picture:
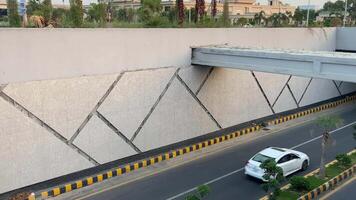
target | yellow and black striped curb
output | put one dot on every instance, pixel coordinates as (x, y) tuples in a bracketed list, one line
[(312, 173), (329, 185), (174, 153)]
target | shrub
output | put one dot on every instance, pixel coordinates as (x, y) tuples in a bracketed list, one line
[(299, 183), (13, 15), (343, 161), (201, 192)]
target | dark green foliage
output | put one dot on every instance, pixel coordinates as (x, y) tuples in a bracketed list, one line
[(273, 176), (242, 21), (225, 15), (301, 15), (46, 8), (125, 15), (201, 192), (260, 18), (343, 161), (121, 14), (33, 6), (150, 14), (300, 184), (327, 123), (13, 15), (41, 8), (278, 19), (97, 13), (58, 14), (76, 13)]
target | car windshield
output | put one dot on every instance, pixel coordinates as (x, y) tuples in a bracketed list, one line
[(260, 158)]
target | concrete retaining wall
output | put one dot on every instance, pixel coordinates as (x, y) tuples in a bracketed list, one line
[(141, 93), (346, 39)]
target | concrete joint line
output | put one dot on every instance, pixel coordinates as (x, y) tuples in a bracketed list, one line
[(295, 100), (119, 133), (337, 88), (2, 87), (154, 105), (341, 82), (147, 69), (174, 153), (305, 90), (45, 126), (198, 101), (204, 81), (90, 115), (280, 93), (263, 92)]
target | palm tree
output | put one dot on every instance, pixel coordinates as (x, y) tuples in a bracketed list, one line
[(213, 8), (180, 12), (326, 123), (260, 17)]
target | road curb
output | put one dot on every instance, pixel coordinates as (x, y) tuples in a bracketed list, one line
[(329, 185), (55, 191), (312, 173)]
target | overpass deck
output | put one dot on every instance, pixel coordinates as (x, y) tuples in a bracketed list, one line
[(319, 64)]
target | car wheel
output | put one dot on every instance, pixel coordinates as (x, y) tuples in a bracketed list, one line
[(305, 165)]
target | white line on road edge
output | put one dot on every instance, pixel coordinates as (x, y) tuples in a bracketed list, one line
[(241, 169)]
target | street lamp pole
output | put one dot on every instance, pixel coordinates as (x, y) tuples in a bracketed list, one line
[(345, 13), (308, 13)]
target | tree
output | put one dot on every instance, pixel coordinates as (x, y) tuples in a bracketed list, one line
[(213, 8), (180, 12), (273, 176), (301, 15), (199, 10), (33, 6), (326, 123), (13, 15), (97, 12), (335, 22), (76, 13), (225, 15), (121, 14), (47, 9), (201, 192), (151, 14), (242, 21), (260, 18), (343, 161)]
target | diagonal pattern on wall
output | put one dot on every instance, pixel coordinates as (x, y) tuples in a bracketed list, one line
[(46, 126), (195, 76), (319, 90), (104, 118), (102, 143), (29, 151), (132, 99), (177, 117), (154, 105), (230, 95), (272, 84), (60, 103)]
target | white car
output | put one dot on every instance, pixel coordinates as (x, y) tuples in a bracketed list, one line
[(289, 160)]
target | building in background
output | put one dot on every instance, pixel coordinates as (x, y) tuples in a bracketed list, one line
[(3, 8), (311, 7), (237, 8)]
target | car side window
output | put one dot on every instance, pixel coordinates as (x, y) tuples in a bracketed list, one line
[(284, 159), (293, 156)]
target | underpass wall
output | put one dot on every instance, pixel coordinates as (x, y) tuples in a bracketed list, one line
[(345, 39), (54, 120)]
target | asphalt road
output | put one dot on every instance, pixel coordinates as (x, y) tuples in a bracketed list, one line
[(346, 192), (223, 170)]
